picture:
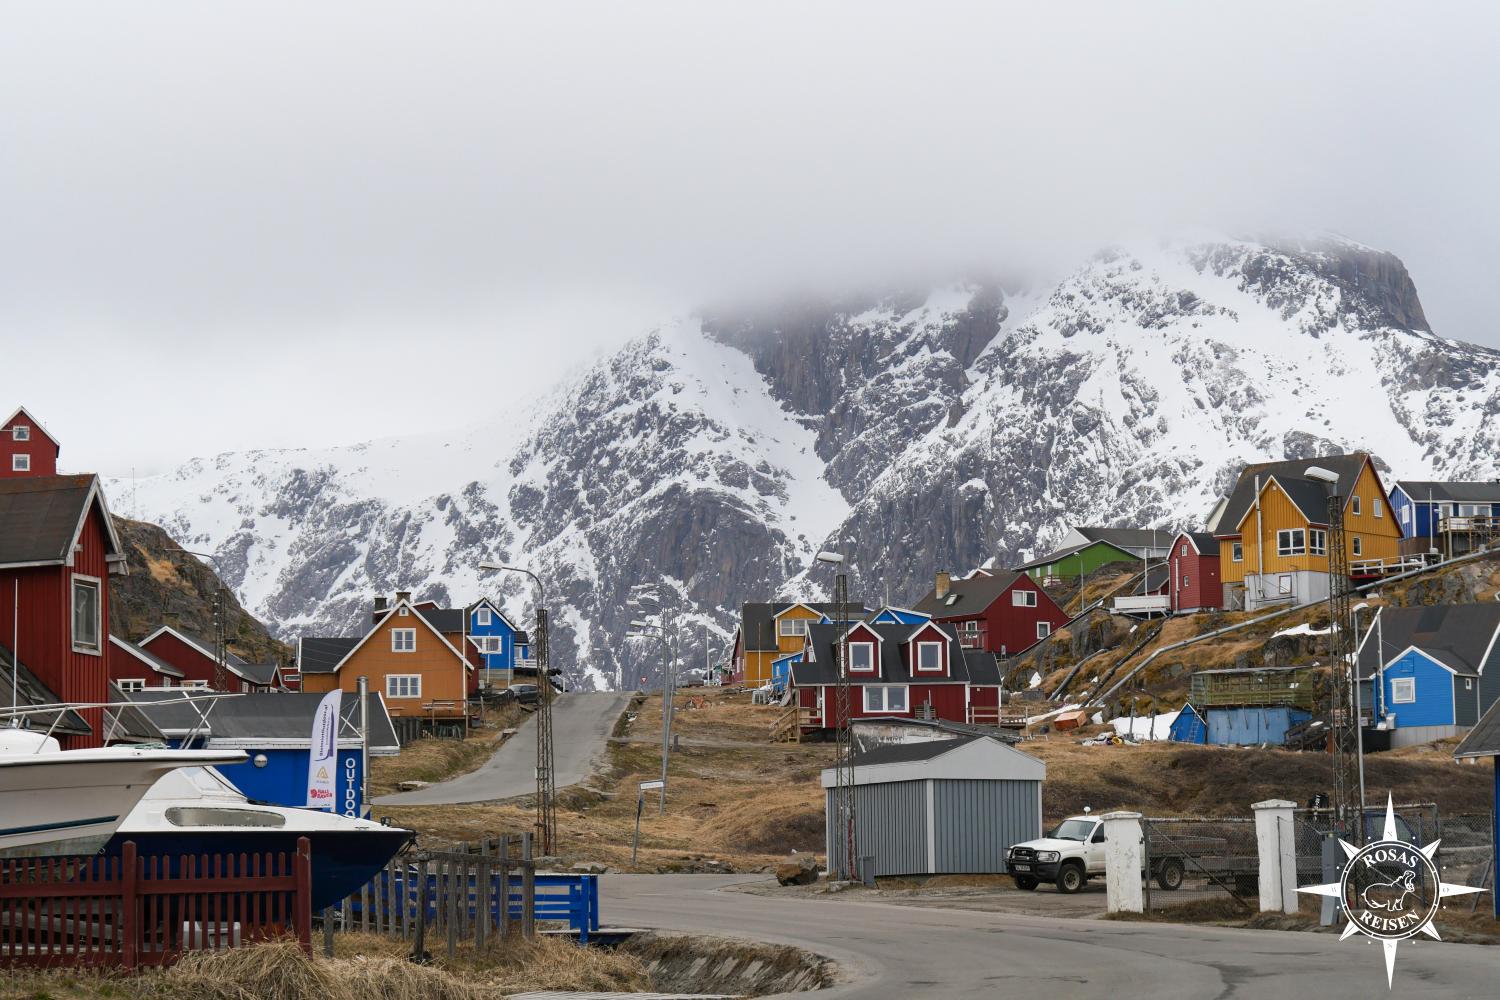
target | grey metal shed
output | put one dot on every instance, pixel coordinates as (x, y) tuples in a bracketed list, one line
[(939, 806)]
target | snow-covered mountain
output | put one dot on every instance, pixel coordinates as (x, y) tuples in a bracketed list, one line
[(911, 431)]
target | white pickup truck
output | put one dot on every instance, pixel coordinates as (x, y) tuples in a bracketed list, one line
[(1072, 854)]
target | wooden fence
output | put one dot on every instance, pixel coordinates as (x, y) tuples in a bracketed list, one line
[(129, 911), (473, 891)]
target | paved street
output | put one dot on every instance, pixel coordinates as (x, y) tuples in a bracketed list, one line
[(892, 951), (581, 724)]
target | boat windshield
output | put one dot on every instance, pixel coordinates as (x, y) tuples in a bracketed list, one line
[(222, 816), (195, 783), (1073, 829)]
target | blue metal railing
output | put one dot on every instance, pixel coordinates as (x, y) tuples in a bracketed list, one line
[(570, 899)]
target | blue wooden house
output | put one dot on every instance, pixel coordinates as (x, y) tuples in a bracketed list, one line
[(1430, 672), (503, 649), (1188, 727), (1484, 741), (1447, 518), (897, 616)]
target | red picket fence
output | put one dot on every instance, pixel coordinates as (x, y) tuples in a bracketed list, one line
[(131, 911)]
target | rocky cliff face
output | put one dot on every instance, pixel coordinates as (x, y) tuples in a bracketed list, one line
[(913, 431)]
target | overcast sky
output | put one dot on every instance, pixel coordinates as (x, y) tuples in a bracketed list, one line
[(226, 225)]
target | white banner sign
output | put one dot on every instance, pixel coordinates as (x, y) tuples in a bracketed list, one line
[(321, 765)]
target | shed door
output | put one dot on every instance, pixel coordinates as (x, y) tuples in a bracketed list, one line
[(976, 821)]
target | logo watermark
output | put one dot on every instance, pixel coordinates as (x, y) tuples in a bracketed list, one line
[(1390, 890)]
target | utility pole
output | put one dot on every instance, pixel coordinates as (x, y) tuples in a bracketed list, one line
[(220, 628), (1348, 806), (846, 865), (646, 599)]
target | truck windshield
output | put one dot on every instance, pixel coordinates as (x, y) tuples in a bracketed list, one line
[(1073, 829)]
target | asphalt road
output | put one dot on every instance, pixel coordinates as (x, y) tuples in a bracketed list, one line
[(581, 724), (892, 951)]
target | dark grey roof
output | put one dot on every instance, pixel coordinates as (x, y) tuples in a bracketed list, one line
[(1423, 490), (146, 656), (127, 723), (1454, 634), (893, 668), (39, 516), (31, 691), (983, 667), (1206, 544), (1310, 496), (1484, 739), (266, 716), (970, 596), (445, 620), (522, 638), (1156, 578), (941, 725), (320, 654), (902, 753), (757, 620), (1136, 540)]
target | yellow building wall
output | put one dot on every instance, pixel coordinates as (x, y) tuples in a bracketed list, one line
[(443, 674), (758, 664)]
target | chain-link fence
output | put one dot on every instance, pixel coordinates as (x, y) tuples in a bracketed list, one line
[(1467, 855), (1196, 858)]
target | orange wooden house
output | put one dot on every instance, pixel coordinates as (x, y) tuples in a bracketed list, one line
[(406, 658)]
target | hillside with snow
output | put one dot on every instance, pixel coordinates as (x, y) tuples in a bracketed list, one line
[(912, 431)]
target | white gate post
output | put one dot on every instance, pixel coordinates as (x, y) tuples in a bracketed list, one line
[(1122, 862), (1276, 843)]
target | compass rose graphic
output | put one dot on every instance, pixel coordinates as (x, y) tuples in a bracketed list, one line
[(1390, 890)]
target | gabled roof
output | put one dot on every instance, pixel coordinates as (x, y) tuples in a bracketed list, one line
[(259, 717), (1060, 554), (823, 641), (758, 620), (1484, 739), (322, 654), (151, 660), (1423, 490), (983, 757), (1135, 540), (485, 602), (29, 690), (449, 621), (970, 596), (1456, 635), (41, 518), (983, 667), (897, 753), (33, 423), (1309, 495), (255, 673), (1202, 542), (325, 647)]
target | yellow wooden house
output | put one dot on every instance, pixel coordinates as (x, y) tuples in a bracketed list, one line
[(1273, 530), (769, 631)]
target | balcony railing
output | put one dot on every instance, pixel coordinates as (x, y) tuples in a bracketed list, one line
[(1385, 567), (1479, 524), (1143, 604)]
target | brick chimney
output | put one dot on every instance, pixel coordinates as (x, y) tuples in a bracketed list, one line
[(403, 595), (943, 584), (380, 608)]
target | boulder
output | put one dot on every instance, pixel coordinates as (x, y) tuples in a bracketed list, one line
[(799, 869), (412, 786)]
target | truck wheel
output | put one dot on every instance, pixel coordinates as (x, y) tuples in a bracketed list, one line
[(1169, 874), (1071, 878), (1026, 882)]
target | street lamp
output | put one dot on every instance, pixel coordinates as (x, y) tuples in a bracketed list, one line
[(660, 631), (546, 782), (221, 657), (846, 866)]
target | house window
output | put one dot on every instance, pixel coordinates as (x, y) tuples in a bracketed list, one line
[(1023, 598), (1043, 629), (794, 626), (488, 643), (969, 628), (861, 656), (132, 684), (482, 616), (1354, 505), (1359, 546), (1472, 509), (1468, 683), (85, 614), (403, 612), (20, 463), (1291, 542), (403, 640), (403, 685), (195, 685), (885, 698), (929, 656), (1318, 541), (1377, 507), (1237, 552), (20, 432), (1403, 690), (1284, 584), (1184, 580)]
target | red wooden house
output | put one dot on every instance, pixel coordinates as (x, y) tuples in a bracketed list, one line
[(58, 548), (895, 670), (26, 449), (134, 669), (1194, 565), (998, 612), (194, 657)]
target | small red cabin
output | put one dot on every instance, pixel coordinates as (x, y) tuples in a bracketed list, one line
[(194, 657), (998, 612), (26, 449), (1194, 565)]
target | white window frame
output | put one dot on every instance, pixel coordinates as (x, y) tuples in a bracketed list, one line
[(402, 612), (867, 646), (20, 432), (1291, 547), (194, 685), (1358, 545), (1403, 690), (1377, 507), (20, 463), (97, 586), (482, 616), (969, 627), (397, 634), (1468, 683), (1023, 598), (1354, 504), (930, 670), (1043, 629), (1317, 541), (793, 627), (884, 691), (1184, 580), (410, 683), (131, 684), (1284, 585), (1183, 551), (1236, 551)]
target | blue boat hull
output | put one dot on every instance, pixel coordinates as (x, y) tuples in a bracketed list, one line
[(342, 860)]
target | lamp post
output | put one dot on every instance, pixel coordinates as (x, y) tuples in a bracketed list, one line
[(546, 781), (846, 866), (221, 652), (645, 599)]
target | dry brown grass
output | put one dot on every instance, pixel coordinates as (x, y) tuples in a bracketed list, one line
[(431, 759)]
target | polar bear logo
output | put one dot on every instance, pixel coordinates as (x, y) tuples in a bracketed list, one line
[(1390, 896)]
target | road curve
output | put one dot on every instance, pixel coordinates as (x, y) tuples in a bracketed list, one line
[(891, 951), (581, 724)]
